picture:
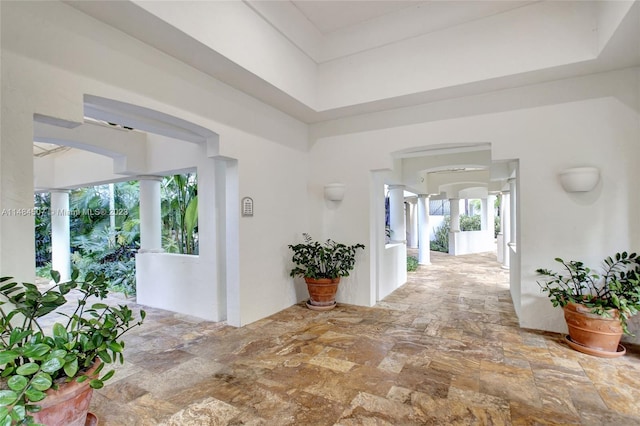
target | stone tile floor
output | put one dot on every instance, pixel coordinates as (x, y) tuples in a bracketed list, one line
[(444, 349)]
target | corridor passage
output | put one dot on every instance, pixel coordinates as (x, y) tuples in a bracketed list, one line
[(444, 349)]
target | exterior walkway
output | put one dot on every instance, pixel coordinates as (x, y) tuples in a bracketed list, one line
[(445, 349)]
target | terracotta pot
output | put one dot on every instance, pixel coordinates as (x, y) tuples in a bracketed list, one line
[(69, 405), (322, 292), (591, 330)]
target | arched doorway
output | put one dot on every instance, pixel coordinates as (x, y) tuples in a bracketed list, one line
[(157, 144)]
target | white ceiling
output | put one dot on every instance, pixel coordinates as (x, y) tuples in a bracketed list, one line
[(328, 16), (339, 38)]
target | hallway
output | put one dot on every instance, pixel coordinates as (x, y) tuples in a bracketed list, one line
[(444, 349)]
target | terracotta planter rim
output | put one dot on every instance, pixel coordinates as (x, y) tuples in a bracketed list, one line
[(615, 314), (322, 280)]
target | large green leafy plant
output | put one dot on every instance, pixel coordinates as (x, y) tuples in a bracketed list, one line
[(617, 287), (316, 260), (35, 358)]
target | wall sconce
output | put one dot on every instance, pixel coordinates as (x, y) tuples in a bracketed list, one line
[(579, 179), (334, 191)]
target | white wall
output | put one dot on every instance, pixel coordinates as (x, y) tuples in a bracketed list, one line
[(591, 120), (52, 55)]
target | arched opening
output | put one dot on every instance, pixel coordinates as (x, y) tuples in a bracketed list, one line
[(454, 173), (143, 144)]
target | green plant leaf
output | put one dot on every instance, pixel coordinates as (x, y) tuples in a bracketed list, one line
[(96, 384), (104, 355), (8, 370), (56, 276), (59, 331), (41, 381), (71, 368), (7, 397), (4, 412), (36, 351), (27, 369), (191, 215), (108, 375), (8, 286), (7, 421), (18, 413), (18, 335), (57, 353), (35, 395), (8, 356), (17, 383), (52, 365), (115, 347), (99, 306)]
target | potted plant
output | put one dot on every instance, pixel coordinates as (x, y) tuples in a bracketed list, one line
[(322, 265), (42, 366), (597, 307)]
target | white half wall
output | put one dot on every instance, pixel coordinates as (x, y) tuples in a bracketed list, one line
[(178, 283), (467, 242), (393, 269)]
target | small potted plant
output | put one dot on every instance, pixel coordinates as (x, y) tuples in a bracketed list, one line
[(597, 307), (322, 265), (48, 374)]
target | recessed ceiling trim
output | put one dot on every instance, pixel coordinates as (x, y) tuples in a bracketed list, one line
[(442, 150)]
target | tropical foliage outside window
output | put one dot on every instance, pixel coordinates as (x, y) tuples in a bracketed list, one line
[(180, 213), (105, 227)]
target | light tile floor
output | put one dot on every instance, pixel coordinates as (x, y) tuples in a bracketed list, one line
[(444, 349)]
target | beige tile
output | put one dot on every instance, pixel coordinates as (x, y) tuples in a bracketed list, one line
[(443, 349)]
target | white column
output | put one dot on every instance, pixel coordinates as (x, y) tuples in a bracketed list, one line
[(60, 234), (454, 209), (454, 204), (491, 214), (396, 213), (424, 240), (512, 216), (483, 214), (412, 221), (112, 208), (505, 208), (150, 217), (500, 236)]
